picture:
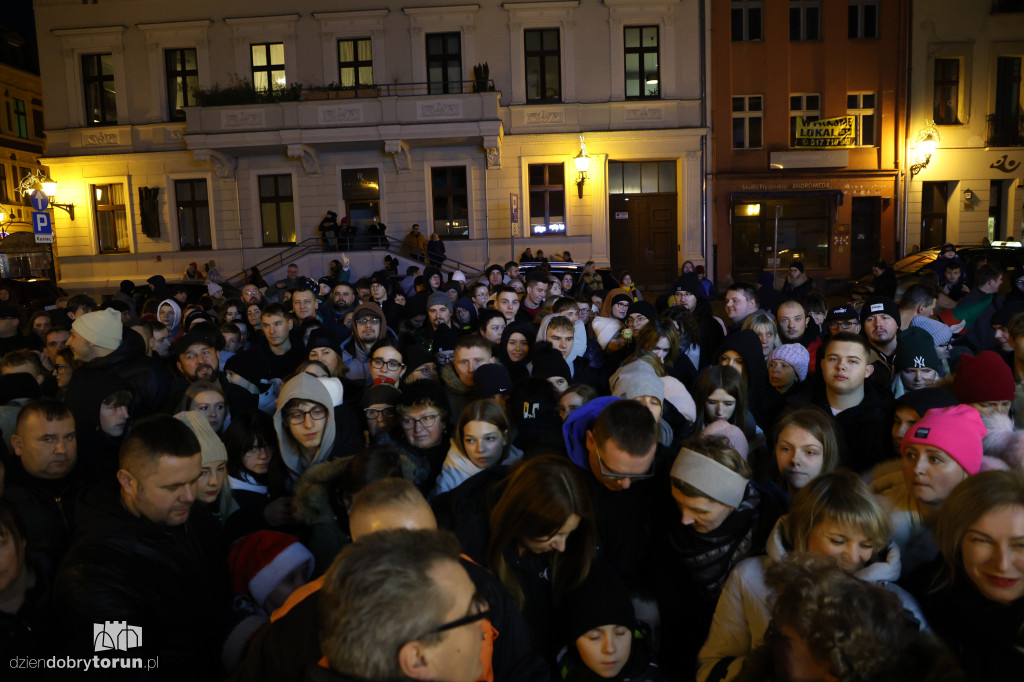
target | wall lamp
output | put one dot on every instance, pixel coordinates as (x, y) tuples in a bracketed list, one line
[(927, 142), (37, 179), (582, 166)]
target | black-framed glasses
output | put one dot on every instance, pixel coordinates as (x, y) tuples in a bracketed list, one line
[(368, 320), (393, 365), (373, 412), (615, 475), (845, 325), (298, 416), (481, 610), (426, 421)]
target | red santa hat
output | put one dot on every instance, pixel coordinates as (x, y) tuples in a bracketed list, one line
[(259, 562)]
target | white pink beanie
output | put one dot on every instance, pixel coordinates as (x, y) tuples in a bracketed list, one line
[(795, 356)]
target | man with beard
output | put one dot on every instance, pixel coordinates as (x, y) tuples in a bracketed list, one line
[(368, 326), (197, 356), (795, 326)]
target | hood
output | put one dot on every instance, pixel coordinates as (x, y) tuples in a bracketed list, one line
[(574, 431), (376, 310), (469, 307), (176, 321), (606, 305), (524, 328), (84, 402), (313, 491), (579, 337), (304, 387), (748, 345)]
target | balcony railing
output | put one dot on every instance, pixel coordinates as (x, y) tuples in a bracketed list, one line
[(244, 93), (1005, 131)]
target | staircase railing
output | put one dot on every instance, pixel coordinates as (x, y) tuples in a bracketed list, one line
[(293, 252)]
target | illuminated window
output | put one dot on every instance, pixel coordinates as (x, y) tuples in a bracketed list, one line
[(100, 93), (355, 63), (111, 218), (643, 75), (547, 199), (268, 66)]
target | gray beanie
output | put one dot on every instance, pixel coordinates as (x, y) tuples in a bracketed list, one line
[(637, 379), (440, 298)]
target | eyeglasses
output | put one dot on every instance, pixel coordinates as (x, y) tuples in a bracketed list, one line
[(259, 452), (61, 368), (373, 412), (636, 320), (625, 303), (616, 476), (426, 421), (393, 365), (298, 416), (481, 610), (368, 320), (845, 325)]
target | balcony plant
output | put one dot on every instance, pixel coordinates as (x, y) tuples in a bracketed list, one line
[(240, 91)]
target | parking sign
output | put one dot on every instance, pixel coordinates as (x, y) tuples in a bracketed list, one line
[(42, 227)]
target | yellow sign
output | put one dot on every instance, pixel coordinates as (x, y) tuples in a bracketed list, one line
[(828, 132)]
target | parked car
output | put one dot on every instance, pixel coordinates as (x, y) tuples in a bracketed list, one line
[(559, 268), (32, 294), (920, 266)]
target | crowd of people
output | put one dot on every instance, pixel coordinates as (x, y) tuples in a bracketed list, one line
[(516, 475)]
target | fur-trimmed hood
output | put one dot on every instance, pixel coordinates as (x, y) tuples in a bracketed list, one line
[(312, 504)]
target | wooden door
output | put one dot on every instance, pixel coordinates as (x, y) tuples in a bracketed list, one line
[(643, 239)]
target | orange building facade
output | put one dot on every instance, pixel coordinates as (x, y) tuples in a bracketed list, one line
[(808, 127)]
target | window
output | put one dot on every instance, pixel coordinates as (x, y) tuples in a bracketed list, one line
[(804, 20), (547, 198), (193, 214), (643, 79), (543, 65), (861, 105), (444, 63), (947, 91), (1004, 123), (746, 20), (268, 66), (451, 201), (641, 177), (934, 199), (5, 193), (277, 209), (100, 93), (182, 81), (804, 233), (863, 19), (111, 218), (20, 127), (807, 107), (746, 122), (355, 63)]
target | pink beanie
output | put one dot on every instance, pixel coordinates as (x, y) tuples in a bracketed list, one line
[(733, 433), (958, 431), (795, 356)]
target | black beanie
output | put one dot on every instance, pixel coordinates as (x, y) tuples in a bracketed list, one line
[(548, 362), (602, 599)]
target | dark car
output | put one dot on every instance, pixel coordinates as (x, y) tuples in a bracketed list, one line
[(559, 268), (32, 294), (920, 266), (195, 289)]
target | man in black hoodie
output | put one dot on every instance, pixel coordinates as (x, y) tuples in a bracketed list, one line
[(102, 344)]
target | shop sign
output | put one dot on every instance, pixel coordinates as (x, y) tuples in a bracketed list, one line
[(828, 132)]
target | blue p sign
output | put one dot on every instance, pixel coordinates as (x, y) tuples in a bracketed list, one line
[(41, 223)]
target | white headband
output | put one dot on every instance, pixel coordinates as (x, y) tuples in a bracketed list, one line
[(715, 480)]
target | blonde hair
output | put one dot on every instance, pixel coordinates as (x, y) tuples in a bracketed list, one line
[(840, 497)]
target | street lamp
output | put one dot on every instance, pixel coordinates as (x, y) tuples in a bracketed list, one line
[(582, 166), (927, 144), (38, 180)]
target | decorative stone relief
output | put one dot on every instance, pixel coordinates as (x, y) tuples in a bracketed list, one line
[(439, 109), (246, 118), (545, 116), (339, 115), (492, 152), (99, 139), (400, 152), (307, 156), (645, 114), (223, 165)]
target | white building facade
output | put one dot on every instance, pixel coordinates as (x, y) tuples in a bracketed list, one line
[(966, 78), (372, 109)]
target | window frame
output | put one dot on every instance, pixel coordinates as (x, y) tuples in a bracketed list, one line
[(193, 205), (938, 87), (176, 79), (20, 125), (747, 114), (446, 61), (859, 112), (641, 51), (543, 56), (745, 8), (260, 201), (814, 114), (100, 80), (803, 30), (99, 210), (548, 189), (451, 194), (356, 63), (269, 67), (857, 29)]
